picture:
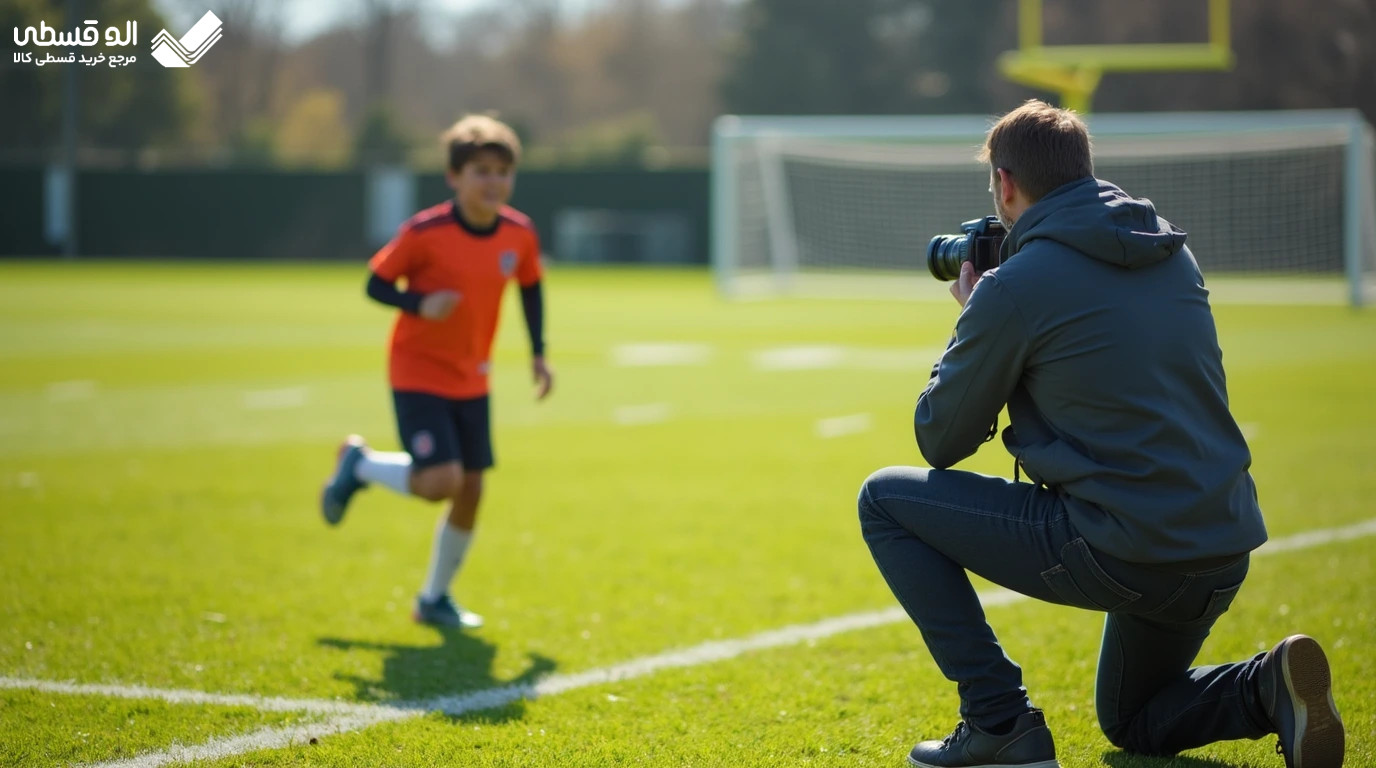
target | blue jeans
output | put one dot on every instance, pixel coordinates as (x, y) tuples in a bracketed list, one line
[(926, 528)]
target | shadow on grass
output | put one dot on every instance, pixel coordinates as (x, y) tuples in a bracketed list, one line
[(453, 677), (1116, 759)]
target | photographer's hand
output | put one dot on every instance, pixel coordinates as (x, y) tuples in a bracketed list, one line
[(965, 284)]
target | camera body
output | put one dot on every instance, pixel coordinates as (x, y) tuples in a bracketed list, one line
[(980, 244)]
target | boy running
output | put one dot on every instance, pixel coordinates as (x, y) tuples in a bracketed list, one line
[(455, 260)]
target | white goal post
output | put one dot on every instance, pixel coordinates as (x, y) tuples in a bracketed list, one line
[(1278, 206)]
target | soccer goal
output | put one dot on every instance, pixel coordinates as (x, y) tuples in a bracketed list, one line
[(1278, 206)]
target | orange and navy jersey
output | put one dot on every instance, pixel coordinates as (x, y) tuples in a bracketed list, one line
[(434, 251)]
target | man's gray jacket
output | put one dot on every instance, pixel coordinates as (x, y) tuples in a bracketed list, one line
[(1096, 333)]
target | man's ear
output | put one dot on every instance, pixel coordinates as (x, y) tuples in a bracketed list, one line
[(1007, 188), (451, 179)]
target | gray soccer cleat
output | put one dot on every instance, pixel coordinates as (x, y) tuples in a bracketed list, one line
[(444, 612), (340, 488)]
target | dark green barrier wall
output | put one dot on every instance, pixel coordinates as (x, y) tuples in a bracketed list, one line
[(21, 212), (228, 214), (266, 214), (542, 194)]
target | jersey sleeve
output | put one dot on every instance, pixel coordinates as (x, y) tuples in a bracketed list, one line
[(398, 258), (528, 269)]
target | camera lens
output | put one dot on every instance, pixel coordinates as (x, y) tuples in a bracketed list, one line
[(945, 254)]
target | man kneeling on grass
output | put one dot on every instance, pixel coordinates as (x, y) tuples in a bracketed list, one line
[(1095, 331)]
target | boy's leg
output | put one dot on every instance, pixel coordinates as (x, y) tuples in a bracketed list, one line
[(454, 533), (472, 422), (388, 469), (463, 507), (925, 528), (429, 469)]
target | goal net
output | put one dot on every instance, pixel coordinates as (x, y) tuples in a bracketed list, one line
[(1278, 206)]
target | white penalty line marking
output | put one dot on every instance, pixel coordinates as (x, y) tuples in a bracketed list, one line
[(345, 717)]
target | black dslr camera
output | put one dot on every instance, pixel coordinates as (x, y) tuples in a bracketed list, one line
[(980, 245)]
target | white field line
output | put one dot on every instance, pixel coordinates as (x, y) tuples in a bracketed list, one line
[(641, 415), (1317, 537), (172, 696), (798, 358), (352, 717), (840, 426), (276, 399), (67, 391), (656, 355), (267, 738), (816, 358)]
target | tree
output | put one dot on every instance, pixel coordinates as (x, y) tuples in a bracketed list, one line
[(953, 50), (621, 140), (538, 85), (125, 109), (381, 138), (380, 20), (314, 132), (1290, 54), (809, 57), (863, 56), (29, 93), (240, 76)]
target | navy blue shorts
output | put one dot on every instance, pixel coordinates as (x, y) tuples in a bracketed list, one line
[(436, 430)]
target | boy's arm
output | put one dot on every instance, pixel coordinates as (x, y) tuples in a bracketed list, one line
[(532, 301), (397, 259), (386, 292), (529, 273), (528, 276), (533, 304)]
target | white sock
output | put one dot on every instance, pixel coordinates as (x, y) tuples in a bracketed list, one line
[(450, 545), (392, 470)]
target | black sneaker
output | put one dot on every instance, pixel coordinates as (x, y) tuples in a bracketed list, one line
[(1028, 745), (1296, 688)]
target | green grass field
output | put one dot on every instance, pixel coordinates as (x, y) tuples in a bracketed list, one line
[(164, 430)]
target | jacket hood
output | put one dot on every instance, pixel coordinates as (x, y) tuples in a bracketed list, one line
[(1100, 221)]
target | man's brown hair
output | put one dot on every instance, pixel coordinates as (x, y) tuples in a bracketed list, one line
[(474, 133), (1042, 147)]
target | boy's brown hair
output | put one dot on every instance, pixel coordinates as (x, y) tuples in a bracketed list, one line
[(474, 133), (1042, 147)]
